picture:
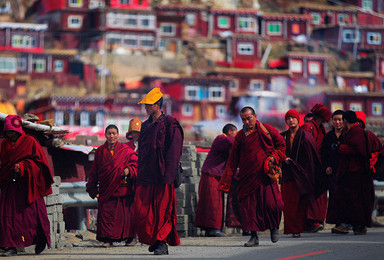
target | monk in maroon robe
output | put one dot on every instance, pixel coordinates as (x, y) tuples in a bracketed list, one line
[(318, 207), (210, 207), (354, 193), (260, 199), (112, 180), (25, 178), (160, 149), (299, 175)]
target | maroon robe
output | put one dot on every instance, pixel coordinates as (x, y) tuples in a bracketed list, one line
[(116, 195), (160, 149), (260, 199), (210, 207), (354, 193), (23, 215), (298, 183)]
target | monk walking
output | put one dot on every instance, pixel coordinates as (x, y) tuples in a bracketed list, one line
[(160, 149), (210, 208), (25, 178), (257, 148), (112, 179)]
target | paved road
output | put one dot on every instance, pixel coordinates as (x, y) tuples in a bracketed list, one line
[(322, 245)]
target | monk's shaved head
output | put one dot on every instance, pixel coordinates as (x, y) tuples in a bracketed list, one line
[(245, 109)]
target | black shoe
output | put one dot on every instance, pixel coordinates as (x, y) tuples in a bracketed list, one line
[(274, 235), (162, 249), (11, 251), (154, 246), (214, 233), (246, 233), (39, 248), (253, 241)]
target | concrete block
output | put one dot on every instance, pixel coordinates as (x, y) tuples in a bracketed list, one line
[(61, 227), (182, 218), (60, 216), (190, 171), (182, 226), (55, 190), (57, 180), (51, 209)]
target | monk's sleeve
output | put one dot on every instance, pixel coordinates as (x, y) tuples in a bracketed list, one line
[(307, 127), (231, 167), (279, 144), (92, 184), (173, 154), (132, 166)]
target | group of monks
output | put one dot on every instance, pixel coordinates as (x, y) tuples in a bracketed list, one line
[(308, 161), (134, 182)]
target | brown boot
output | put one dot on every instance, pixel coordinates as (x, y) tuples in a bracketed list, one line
[(340, 229)]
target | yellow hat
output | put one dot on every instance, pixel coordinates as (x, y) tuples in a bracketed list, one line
[(134, 125), (152, 97)]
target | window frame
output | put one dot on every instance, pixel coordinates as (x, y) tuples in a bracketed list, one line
[(316, 18), (78, 4), (42, 62), (185, 111), (130, 37), (374, 113), (221, 111), (70, 21), (151, 21), (189, 88), (313, 62), (171, 25), (292, 64), (188, 19), (221, 26), (274, 23), (356, 106), (252, 82), (147, 38), (241, 51), (365, 3), (247, 20), (10, 64), (374, 42), (57, 68), (213, 89), (353, 32)]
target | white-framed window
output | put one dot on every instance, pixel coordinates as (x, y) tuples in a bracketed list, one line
[(130, 41), (58, 65), (125, 2), (382, 67), (350, 36), (147, 41), (130, 21), (342, 19), (59, 117), (100, 118), (146, 21), (75, 21), (17, 41), (274, 28), (28, 41), (190, 19), (336, 106), (93, 4), (216, 93), (187, 110), (355, 106), (296, 66), (314, 67), (113, 38), (168, 29), (377, 109), (367, 5), (374, 38), (115, 20), (221, 111), (23, 41), (8, 65), (75, 3), (22, 64), (84, 118), (39, 65), (223, 22), (316, 18), (247, 24), (235, 84), (245, 49), (192, 92), (256, 84)]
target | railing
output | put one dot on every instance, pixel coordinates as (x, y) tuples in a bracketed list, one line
[(74, 195), (379, 195)]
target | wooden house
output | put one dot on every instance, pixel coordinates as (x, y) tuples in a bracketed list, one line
[(367, 5), (379, 73), (170, 32), (359, 82)]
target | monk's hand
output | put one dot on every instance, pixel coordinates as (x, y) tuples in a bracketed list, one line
[(287, 160), (126, 172), (328, 171), (16, 172), (16, 168)]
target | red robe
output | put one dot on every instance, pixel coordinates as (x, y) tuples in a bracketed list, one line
[(160, 149), (260, 199), (23, 215), (210, 207), (116, 195)]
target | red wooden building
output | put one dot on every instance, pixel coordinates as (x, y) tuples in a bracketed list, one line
[(170, 32), (367, 5)]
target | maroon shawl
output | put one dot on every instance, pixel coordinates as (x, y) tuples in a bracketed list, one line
[(105, 176), (249, 153), (34, 166), (318, 132)]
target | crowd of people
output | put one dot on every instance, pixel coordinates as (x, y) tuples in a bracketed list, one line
[(265, 173)]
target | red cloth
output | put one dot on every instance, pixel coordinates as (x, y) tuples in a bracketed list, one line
[(23, 215), (210, 207), (292, 113), (319, 110), (155, 214), (115, 195), (233, 215), (318, 132)]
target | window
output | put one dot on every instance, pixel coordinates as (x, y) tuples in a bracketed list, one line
[(75, 21), (146, 21), (100, 118), (356, 106), (113, 38), (187, 110), (223, 22), (125, 2), (350, 36), (130, 21), (245, 49), (23, 41), (84, 118), (377, 109), (75, 3), (59, 118), (114, 20), (247, 24), (274, 28), (190, 19), (382, 67), (295, 28), (39, 65), (147, 42), (192, 92), (337, 106), (58, 65), (221, 111), (256, 84), (22, 64), (168, 29), (374, 38), (296, 66), (130, 41), (342, 19), (367, 4), (8, 65), (316, 18), (216, 93), (314, 67), (17, 41), (235, 84), (28, 41)]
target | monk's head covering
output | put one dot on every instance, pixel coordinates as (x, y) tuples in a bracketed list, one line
[(134, 125), (292, 113), (152, 97), (319, 110), (361, 115), (13, 123), (350, 116)]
